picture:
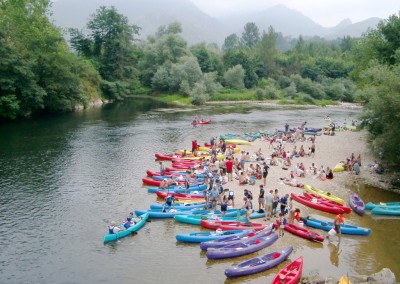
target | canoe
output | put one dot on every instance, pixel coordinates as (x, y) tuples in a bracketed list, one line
[(323, 194), (326, 226), (357, 204), (338, 168), (258, 264), (201, 122), (150, 181), (227, 225), (179, 189), (234, 239), (198, 237), (291, 274), (180, 196), (314, 203), (164, 157), (237, 142), (346, 209), (241, 248), (304, 233), (344, 280), (112, 237), (196, 219), (180, 206), (386, 210), (370, 205)]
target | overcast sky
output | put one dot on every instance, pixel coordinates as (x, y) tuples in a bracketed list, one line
[(325, 12)]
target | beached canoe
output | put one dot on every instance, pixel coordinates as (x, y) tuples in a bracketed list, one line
[(150, 181), (316, 204), (112, 237), (338, 168), (237, 142), (227, 225), (241, 248), (291, 274), (323, 194), (344, 280), (234, 239), (179, 189), (357, 204), (196, 219), (346, 209), (180, 206), (386, 210), (258, 264), (180, 196), (198, 237), (304, 233), (370, 205), (327, 225)]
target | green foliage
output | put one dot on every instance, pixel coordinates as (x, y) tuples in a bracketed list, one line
[(234, 95), (199, 94), (234, 77), (261, 94), (232, 41), (250, 36)]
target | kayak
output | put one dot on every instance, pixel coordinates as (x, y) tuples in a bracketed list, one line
[(241, 248), (338, 168), (179, 189), (326, 226), (290, 274), (314, 203), (165, 157), (200, 122), (234, 239), (227, 225), (237, 142), (323, 194), (386, 210), (371, 205), (346, 209), (150, 181), (357, 204), (304, 233), (258, 264), (112, 237), (196, 219), (344, 280), (180, 206), (198, 237), (180, 196)]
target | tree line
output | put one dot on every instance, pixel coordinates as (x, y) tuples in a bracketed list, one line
[(40, 72)]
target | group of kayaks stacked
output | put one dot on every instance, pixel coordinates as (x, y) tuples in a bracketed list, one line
[(382, 208)]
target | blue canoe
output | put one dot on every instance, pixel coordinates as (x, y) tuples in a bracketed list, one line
[(258, 264), (179, 189), (370, 205), (345, 228), (196, 219), (180, 206), (179, 179), (170, 213), (198, 237), (112, 237), (386, 210)]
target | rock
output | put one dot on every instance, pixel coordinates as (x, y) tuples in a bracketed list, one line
[(385, 276)]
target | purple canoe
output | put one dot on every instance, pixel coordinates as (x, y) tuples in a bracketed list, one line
[(357, 204), (241, 248), (258, 264), (234, 239)]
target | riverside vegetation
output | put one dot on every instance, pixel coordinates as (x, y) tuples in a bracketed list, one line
[(41, 73)]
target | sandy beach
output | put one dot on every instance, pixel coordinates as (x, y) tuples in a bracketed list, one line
[(330, 150)]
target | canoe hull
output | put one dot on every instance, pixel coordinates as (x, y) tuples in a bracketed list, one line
[(112, 237)]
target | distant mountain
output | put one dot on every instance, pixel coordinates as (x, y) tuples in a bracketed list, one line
[(198, 26)]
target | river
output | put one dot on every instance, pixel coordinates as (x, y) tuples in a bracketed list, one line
[(64, 178)]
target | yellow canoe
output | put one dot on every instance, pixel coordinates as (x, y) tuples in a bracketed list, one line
[(237, 142), (323, 194), (338, 168), (202, 148), (344, 280)]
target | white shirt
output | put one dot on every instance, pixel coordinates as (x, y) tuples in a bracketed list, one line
[(269, 198)]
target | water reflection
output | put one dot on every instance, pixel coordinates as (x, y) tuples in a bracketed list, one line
[(334, 253)]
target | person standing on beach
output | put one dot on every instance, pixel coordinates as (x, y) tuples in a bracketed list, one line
[(229, 168), (284, 203), (286, 128), (261, 199), (313, 149), (265, 173), (269, 199), (249, 208), (275, 203)]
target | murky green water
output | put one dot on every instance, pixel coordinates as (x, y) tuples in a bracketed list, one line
[(63, 179)]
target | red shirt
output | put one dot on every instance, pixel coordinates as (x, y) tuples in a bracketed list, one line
[(229, 166)]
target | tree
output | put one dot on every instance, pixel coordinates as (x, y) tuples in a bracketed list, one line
[(234, 77), (230, 42), (250, 36), (267, 52)]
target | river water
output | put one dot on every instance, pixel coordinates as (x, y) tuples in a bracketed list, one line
[(64, 178)]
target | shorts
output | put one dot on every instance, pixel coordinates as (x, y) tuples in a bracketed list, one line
[(312, 150), (337, 229), (265, 175), (274, 204), (282, 226), (261, 200)]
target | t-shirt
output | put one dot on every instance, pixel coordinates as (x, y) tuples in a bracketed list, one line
[(229, 166), (269, 199), (283, 201)]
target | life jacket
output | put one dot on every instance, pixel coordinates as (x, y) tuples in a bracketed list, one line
[(284, 221), (111, 230)]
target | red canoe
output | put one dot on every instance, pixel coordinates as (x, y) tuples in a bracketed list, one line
[(304, 233), (317, 205), (290, 274), (180, 196), (231, 225), (203, 121), (166, 157), (346, 209)]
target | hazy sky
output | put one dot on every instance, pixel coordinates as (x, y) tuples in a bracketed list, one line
[(324, 12)]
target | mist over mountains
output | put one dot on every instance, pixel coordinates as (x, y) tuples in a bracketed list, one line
[(198, 26)]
